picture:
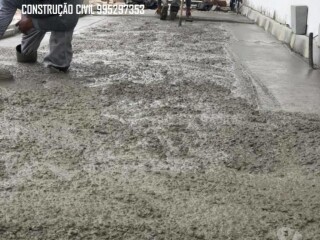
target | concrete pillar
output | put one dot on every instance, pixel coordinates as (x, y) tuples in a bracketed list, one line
[(299, 19)]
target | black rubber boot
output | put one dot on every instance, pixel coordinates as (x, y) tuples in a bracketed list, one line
[(174, 9), (22, 58), (164, 13)]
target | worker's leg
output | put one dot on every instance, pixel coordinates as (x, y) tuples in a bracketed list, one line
[(7, 12), (175, 3), (158, 11), (188, 3), (175, 6), (31, 41), (174, 9), (188, 11), (232, 4), (164, 9), (27, 50), (60, 54)]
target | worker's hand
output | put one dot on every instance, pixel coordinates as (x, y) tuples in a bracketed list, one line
[(25, 24)]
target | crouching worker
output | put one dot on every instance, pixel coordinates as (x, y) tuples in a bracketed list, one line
[(162, 9), (34, 28)]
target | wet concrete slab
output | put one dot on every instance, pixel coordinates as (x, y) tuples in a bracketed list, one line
[(144, 139), (282, 78)]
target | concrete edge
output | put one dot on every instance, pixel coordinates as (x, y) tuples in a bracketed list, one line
[(297, 43)]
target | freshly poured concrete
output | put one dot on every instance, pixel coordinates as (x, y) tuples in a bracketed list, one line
[(154, 134), (282, 78)]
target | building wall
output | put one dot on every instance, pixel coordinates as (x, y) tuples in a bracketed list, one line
[(280, 10)]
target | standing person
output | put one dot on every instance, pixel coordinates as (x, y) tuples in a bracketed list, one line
[(162, 10), (232, 2), (34, 28)]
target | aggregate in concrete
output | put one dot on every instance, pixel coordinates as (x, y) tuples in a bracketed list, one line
[(149, 137)]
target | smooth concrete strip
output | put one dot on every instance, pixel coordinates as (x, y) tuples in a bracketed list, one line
[(276, 71), (298, 43)]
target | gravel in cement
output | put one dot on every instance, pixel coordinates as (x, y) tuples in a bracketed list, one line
[(145, 138), (5, 76)]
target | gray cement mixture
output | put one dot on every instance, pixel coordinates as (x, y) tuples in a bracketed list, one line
[(149, 137)]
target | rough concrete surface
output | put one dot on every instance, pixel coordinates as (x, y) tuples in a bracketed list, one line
[(282, 32), (5, 76), (149, 137)]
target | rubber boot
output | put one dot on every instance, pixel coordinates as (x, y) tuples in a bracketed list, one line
[(174, 9), (164, 12), (22, 58)]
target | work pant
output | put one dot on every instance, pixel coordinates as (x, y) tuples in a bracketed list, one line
[(232, 2), (174, 3), (60, 54)]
